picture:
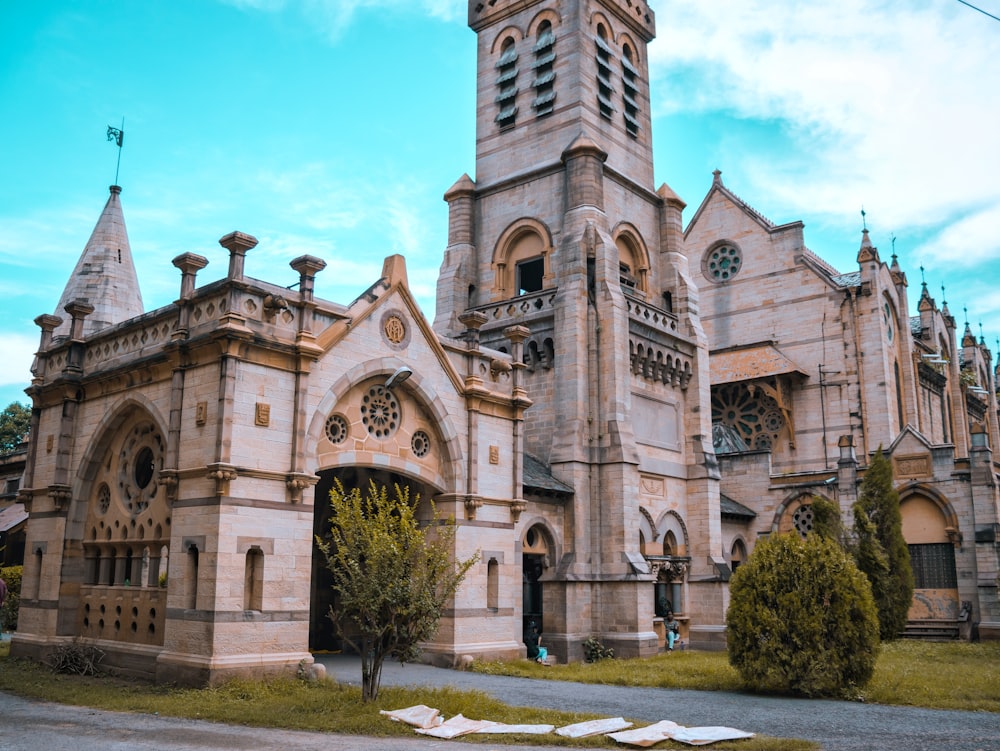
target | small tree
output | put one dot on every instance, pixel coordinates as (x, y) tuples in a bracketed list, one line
[(392, 575), (881, 551), (14, 423), (801, 618)]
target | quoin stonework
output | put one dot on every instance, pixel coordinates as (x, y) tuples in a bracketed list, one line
[(613, 403)]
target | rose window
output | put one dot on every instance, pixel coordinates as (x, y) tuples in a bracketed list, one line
[(752, 413), (140, 460), (420, 444), (336, 429), (380, 412), (723, 263)]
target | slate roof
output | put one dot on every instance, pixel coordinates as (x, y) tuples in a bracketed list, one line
[(732, 509), (538, 476)]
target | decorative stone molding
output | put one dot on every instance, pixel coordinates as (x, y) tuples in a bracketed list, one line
[(472, 504), (517, 507), (675, 567), (296, 482), (169, 480), (223, 474), (60, 495)]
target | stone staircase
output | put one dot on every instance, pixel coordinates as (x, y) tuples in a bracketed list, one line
[(933, 630)]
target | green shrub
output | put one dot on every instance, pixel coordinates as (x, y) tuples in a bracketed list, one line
[(594, 650), (8, 613), (801, 619)]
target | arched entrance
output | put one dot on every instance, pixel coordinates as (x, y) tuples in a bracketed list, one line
[(932, 558), (321, 634), (534, 560)]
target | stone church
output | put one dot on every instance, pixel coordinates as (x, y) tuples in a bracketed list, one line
[(612, 406)]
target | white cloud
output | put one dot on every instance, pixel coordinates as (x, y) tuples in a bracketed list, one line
[(889, 104), (16, 348)]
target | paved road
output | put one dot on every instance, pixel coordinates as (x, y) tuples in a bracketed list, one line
[(839, 726)]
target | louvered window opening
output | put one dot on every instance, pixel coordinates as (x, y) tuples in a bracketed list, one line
[(630, 94), (605, 91), (545, 75), (506, 87)]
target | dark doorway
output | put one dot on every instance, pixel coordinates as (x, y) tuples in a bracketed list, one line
[(322, 599)]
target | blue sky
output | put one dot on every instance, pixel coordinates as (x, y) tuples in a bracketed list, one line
[(334, 127)]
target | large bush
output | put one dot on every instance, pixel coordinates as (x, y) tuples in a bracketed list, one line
[(801, 619), (8, 613)]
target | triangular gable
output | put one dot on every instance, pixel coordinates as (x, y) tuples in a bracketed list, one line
[(909, 441), (718, 188), (392, 285)]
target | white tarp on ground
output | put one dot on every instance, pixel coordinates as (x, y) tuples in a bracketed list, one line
[(419, 716), (428, 721), (499, 727), (706, 735), (594, 727), (647, 736), (455, 727)]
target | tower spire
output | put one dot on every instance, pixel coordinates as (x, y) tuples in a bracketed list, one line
[(104, 275)]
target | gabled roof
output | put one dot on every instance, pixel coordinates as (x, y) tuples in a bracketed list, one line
[(104, 275)]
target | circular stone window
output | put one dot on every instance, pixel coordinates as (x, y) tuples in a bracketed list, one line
[(723, 263), (420, 444), (380, 412), (336, 429), (802, 519)]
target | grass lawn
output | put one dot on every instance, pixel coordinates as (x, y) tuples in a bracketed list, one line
[(324, 706), (937, 675)]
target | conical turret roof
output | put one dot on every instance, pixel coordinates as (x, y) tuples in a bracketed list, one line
[(105, 274)]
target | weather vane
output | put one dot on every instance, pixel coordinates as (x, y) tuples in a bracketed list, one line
[(864, 224), (118, 136)]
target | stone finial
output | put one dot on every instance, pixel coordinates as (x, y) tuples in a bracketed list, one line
[(308, 267), (237, 243), (189, 264), (78, 311)]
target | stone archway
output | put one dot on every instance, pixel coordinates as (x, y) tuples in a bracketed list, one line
[(321, 634)]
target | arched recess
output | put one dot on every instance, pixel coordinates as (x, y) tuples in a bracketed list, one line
[(548, 14), (363, 432), (444, 472), (795, 514), (633, 258), (671, 523), (930, 528), (737, 552), (538, 555), (509, 32), (521, 259), (119, 519)]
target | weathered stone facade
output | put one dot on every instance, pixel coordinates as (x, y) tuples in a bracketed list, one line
[(612, 408), (815, 369)]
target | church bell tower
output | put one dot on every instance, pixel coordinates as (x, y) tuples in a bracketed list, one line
[(562, 231)]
